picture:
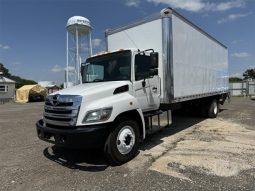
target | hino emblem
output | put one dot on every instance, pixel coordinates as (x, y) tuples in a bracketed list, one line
[(55, 100)]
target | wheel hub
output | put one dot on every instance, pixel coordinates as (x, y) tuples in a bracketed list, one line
[(125, 140), (215, 109)]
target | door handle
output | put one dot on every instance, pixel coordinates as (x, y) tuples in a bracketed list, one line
[(154, 89)]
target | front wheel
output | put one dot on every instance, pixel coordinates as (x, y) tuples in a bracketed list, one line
[(122, 143)]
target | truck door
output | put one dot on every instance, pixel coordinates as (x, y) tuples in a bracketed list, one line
[(146, 87)]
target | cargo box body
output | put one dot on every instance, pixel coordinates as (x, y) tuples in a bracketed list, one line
[(192, 64)]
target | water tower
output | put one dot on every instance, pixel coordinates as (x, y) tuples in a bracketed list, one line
[(78, 48)]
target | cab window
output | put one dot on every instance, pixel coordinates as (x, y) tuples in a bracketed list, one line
[(142, 67)]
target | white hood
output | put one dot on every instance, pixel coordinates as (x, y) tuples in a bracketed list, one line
[(87, 89)]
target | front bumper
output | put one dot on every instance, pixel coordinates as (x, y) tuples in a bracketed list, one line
[(92, 136)]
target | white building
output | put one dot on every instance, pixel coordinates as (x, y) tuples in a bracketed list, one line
[(50, 86), (7, 89)]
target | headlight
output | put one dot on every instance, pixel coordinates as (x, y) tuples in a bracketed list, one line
[(98, 115)]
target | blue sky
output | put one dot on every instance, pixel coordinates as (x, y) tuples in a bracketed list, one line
[(33, 34)]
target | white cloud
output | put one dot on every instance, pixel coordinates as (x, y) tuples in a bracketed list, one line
[(236, 75), (16, 63), (70, 68), (98, 45), (96, 42), (188, 5), (240, 54), (133, 3), (4, 47), (236, 41), (223, 6), (57, 68), (232, 17), (193, 5)]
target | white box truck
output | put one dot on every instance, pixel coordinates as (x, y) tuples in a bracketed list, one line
[(151, 67)]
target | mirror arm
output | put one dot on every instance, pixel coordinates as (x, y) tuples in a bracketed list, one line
[(143, 83)]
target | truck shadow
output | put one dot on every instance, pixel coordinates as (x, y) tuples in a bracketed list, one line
[(84, 160), (94, 160), (180, 122)]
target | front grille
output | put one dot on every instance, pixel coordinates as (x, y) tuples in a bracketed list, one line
[(61, 110), (58, 119), (60, 104), (58, 112)]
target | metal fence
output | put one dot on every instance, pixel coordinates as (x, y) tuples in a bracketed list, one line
[(245, 88)]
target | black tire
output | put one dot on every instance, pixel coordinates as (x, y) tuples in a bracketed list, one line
[(111, 150), (213, 108)]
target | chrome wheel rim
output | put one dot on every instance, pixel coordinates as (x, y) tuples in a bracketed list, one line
[(215, 109), (125, 140)]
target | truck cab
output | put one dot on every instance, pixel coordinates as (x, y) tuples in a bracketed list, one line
[(108, 108), (138, 70)]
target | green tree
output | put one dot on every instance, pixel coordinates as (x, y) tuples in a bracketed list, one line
[(19, 81), (249, 73), (235, 79), (4, 70)]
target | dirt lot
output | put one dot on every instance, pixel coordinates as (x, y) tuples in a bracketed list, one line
[(192, 154)]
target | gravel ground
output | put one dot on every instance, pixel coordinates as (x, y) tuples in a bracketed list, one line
[(192, 154)]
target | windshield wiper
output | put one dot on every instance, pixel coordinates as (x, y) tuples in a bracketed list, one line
[(97, 80)]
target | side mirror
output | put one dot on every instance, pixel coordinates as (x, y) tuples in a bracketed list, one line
[(154, 60), (154, 72)]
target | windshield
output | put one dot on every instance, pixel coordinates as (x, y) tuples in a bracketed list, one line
[(109, 67)]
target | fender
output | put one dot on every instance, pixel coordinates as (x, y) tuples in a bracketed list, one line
[(143, 123), (120, 104)]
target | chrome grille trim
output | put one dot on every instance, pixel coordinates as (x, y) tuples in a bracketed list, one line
[(57, 114), (73, 115), (59, 108), (62, 123)]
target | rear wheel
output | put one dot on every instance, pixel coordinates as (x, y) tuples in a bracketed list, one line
[(213, 108), (122, 143)]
